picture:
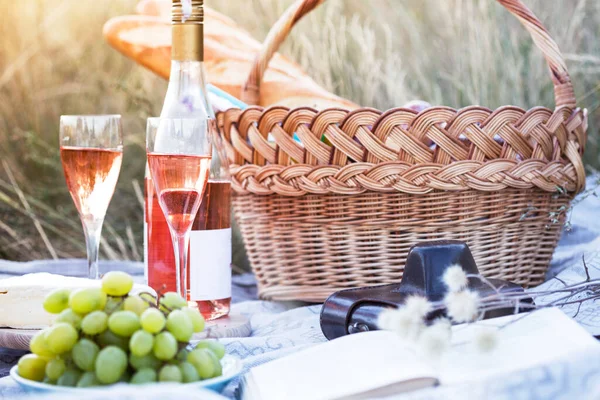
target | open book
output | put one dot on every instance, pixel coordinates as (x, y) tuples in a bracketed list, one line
[(378, 364)]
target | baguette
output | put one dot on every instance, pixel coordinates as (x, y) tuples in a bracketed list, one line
[(229, 52)]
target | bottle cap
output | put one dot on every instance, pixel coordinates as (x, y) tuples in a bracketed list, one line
[(188, 12)]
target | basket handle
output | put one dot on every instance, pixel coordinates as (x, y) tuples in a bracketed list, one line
[(563, 89)]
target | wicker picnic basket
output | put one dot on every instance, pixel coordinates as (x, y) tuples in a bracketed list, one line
[(318, 217)]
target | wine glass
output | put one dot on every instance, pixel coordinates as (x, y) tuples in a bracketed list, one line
[(91, 150), (179, 156)]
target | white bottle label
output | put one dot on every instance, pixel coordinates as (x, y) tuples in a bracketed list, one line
[(210, 264)]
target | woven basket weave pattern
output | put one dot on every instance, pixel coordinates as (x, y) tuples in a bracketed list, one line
[(309, 246), (473, 148), (341, 205)]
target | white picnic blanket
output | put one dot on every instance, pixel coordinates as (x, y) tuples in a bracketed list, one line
[(281, 328)]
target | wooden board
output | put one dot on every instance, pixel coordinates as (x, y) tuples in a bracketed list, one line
[(16, 338), (234, 325)]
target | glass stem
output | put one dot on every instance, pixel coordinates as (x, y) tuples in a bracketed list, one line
[(92, 230), (181, 244)]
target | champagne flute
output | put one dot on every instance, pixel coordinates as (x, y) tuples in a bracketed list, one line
[(91, 150), (179, 155)]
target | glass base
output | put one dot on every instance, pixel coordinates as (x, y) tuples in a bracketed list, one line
[(212, 309)]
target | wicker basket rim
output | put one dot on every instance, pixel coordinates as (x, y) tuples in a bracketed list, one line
[(243, 113), (546, 149)]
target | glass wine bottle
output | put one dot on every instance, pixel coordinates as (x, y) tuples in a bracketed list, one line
[(209, 261)]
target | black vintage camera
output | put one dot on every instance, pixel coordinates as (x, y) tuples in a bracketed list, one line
[(357, 310)]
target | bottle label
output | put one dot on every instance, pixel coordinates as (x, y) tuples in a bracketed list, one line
[(210, 264)]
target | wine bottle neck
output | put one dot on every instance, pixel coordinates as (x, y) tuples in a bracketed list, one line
[(186, 95)]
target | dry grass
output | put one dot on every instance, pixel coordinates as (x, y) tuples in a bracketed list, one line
[(379, 53), (53, 61)]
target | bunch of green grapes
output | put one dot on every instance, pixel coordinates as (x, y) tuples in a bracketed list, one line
[(105, 335)]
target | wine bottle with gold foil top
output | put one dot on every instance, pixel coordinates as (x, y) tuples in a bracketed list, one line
[(209, 265)]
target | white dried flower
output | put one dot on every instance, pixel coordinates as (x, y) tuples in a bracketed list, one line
[(417, 305), (387, 318), (462, 306), (443, 323), (406, 324), (409, 325), (455, 278), (435, 339), (486, 339)]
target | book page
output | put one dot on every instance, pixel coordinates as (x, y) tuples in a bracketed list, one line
[(344, 367), (531, 340)]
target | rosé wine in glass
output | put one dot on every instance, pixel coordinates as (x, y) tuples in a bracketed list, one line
[(91, 150), (179, 160), (91, 176), (179, 182)]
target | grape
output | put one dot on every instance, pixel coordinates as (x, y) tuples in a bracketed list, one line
[(125, 377), (196, 318), (135, 304), (182, 355), (124, 323), (110, 364), (56, 301), (84, 301), (202, 359), (144, 375), (180, 325), (69, 378), (141, 343), (172, 301), (216, 347), (217, 365), (103, 300), (84, 354), (149, 298), (165, 346), (61, 337), (70, 317), (55, 368), (94, 323), (32, 366), (121, 335), (152, 320), (49, 381), (108, 338), (113, 304), (169, 373), (147, 361), (39, 346), (207, 363), (88, 379), (117, 283), (188, 372)]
